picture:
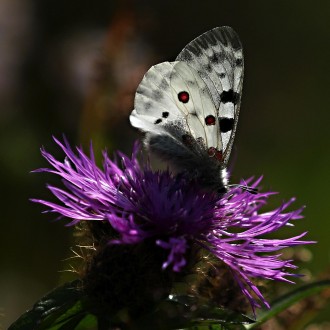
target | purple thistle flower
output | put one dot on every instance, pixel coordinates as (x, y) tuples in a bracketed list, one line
[(141, 204)]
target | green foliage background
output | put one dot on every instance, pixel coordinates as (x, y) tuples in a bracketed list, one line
[(66, 67)]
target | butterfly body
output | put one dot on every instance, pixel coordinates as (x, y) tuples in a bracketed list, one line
[(189, 108)]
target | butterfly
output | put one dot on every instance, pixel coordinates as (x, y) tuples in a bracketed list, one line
[(189, 108)]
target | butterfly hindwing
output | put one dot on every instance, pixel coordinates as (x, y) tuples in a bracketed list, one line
[(154, 104)]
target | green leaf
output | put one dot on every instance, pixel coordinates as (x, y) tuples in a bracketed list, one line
[(288, 300), (189, 312), (90, 321), (206, 312), (68, 308), (60, 317), (53, 310)]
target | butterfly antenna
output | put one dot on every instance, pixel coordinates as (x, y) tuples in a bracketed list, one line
[(251, 190)]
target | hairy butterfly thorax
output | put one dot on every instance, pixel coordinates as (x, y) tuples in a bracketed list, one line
[(189, 108)]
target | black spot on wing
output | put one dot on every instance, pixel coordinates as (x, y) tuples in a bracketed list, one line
[(214, 59), (239, 62), (217, 58), (205, 91), (208, 68), (229, 96), (226, 124), (158, 121), (186, 55), (222, 75), (165, 114)]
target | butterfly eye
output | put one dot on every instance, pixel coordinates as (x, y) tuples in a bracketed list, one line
[(183, 97)]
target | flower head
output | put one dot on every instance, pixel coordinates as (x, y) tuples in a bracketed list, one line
[(140, 204)]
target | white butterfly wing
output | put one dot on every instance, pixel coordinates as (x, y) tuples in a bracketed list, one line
[(189, 108), (153, 100), (217, 56), (198, 105), (159, 110)]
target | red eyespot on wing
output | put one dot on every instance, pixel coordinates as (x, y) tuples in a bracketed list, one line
[(211, 151), (209, 120), (219, 155), (187, 139), (183, 97)]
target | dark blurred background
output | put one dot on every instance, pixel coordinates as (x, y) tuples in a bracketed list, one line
[(72, 67)]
